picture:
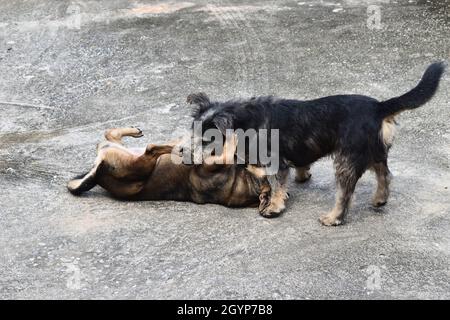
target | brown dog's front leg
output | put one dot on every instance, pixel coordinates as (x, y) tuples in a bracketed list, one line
[(116, 134), (144, 164), (264, 198), (158, 150), (278, 194)]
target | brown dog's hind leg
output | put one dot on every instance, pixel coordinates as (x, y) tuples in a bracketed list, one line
[(116, 134), (84, 182), (383, 176), (302, 174)]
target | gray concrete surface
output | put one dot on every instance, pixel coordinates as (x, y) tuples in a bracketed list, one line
[(70, 70)]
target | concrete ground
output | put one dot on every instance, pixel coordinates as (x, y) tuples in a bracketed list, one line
[(69, 70)]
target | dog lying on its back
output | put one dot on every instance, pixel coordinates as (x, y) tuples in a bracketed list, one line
[(151, 174), (357, 130)]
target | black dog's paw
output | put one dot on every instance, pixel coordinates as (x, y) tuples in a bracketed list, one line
[(330, 220)]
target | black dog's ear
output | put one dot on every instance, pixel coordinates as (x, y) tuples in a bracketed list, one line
[(200, 99), (223, 122)]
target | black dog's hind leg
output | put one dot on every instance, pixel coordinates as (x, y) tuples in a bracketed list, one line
[(348, 172), (383, 176)]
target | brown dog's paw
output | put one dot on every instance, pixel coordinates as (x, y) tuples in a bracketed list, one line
[(138, 133), (330, 220), (264, 201), (270, 212), (276, 204), (270, 209)]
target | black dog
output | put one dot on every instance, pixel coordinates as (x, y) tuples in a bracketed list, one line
[(356, 130)]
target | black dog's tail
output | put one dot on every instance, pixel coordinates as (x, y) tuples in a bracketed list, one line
[(82, 183), (418, 96)]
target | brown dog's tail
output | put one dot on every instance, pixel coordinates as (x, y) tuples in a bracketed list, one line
[(83, 182), (418, 96)]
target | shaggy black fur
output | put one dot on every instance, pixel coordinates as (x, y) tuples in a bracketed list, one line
[(349, 127)]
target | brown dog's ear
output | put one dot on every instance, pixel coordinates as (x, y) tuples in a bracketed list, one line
[(200, 99)]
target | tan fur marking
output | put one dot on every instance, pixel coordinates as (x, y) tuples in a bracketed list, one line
[(74, 184), (388, 131), (256, 171)]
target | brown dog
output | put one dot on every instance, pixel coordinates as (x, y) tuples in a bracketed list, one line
[(151, 174)]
